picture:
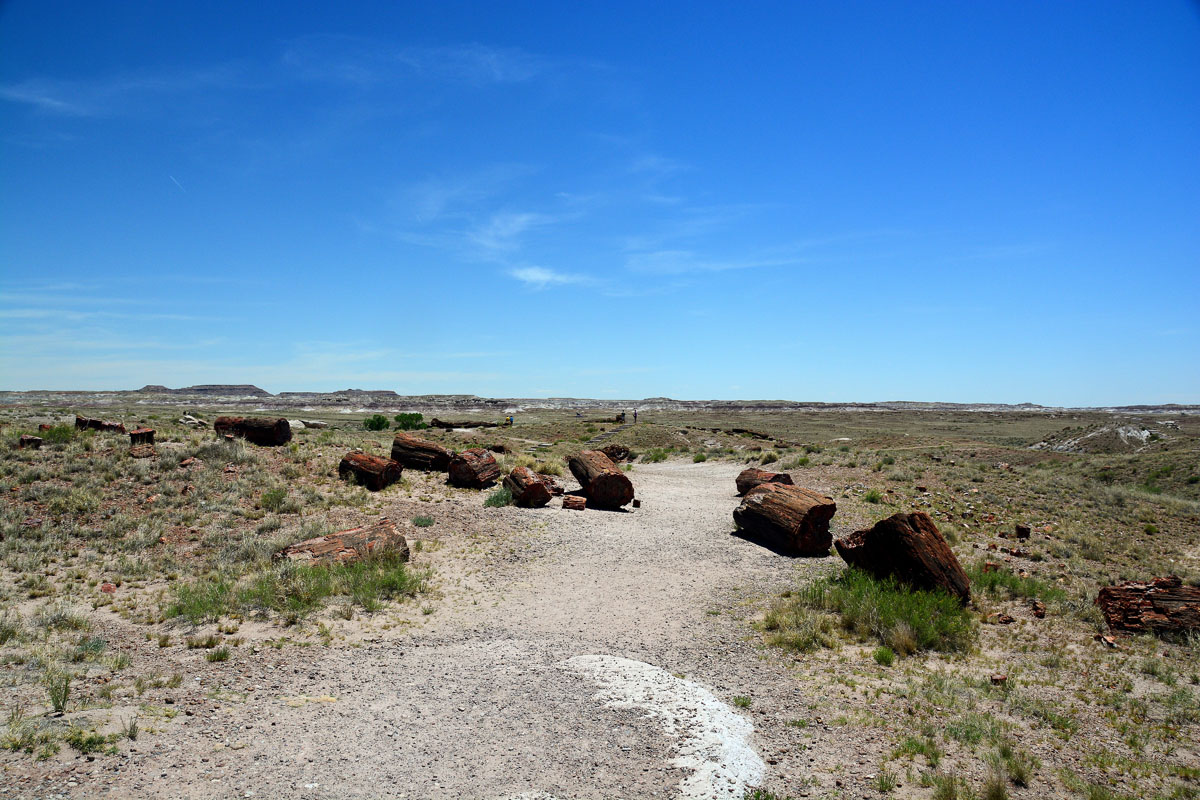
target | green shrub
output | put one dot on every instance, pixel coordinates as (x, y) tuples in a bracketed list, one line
[(904, 619), (58, 688), (499, 498), (422, 521), (884, 656), (770, 456), (219, 654), (376, 422), (58, 434), (873, 496), (274, 499), (696, 459), (410, 422), (1005, 584), (656, 455)]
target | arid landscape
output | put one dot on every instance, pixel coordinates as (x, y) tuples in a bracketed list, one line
[(158, 641)]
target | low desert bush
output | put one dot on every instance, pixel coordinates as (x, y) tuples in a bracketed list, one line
[(499, 498), (376, 422), (410, 422)]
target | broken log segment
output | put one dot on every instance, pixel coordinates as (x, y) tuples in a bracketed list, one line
[(551, 484), (1162, 606), (32, 442), (616, 452), (141, 436), (909, 548), (256, 430), (790, 518), (604, 485), (527, 488), (573, 502), (437, 423), (474, 469), (420, 454), (87, 423), (373, 472), (747, 479), (380, 538), (143, 451)]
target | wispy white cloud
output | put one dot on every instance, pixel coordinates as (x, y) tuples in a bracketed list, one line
[(678, 262), (501, 231), (541, 277), (109, 95)]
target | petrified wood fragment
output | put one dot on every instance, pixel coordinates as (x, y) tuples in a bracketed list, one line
[(419, 453), (793, 519), (604, 485), (1162, 606), (909, 548), (474, 469), (256, 430), (747, 479), (373, 472), (527, 488), (349, 545)]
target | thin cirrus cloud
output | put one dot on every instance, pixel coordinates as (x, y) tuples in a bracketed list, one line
[(541, 277), (114, 94)]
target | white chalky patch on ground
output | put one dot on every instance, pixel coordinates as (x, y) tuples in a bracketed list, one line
[(713, 739)]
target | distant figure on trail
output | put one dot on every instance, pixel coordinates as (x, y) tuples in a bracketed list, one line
[(635, 416)]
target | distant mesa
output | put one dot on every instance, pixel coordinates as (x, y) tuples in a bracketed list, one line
[(217, 389)]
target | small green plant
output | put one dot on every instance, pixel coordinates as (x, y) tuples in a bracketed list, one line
[(273, 499), (1150, 528), (219, 654), (699, 457), (742, 701), (376, 422), (85, 741), (885, 781), (422, 521), (130, 728), (59, 434), (872, 496), (884, 656), (58, 688), (410, 422), (499, 498), (924, 746), (656, 455)]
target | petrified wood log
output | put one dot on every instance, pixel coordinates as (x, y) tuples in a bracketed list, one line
[(616, 452), (86, 423), (143, 451), (141, 436), (1162, 606), (747, 479), (604, 485), (551, 484), (474, 469), (791, 518), (372, 472), (909, 548), (256, 430), (32, 442), (437, 423), (528, 489), (350, 545), (419, 453), (573, 502), (44, 427)]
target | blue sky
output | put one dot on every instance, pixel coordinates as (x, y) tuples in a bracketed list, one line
[(810, 201)]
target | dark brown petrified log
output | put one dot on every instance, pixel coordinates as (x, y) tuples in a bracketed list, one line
[(616, 452), (1162, 606), (32, 442), (790, 518), (141, 436), (747, 479), (420, 454), (527, 488), (466, 423), (256, 430), (373, 472), (351, 545), (573, 502), (909, 548), (474, 469), (87, 423), (604, 485)]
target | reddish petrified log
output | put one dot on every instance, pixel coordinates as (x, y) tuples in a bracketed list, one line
[(44, 427), (32, 442), (790, 518), (551, 484), (141, 436), (143, 451), (420, 454), (616, 452), (474, 469), (573, 502), (256, 430), (909, 548), (444, 425), (351, 545), (87, 423), (527, 488), (373, 472), (747, 479), (604, 485), (1162, 606)]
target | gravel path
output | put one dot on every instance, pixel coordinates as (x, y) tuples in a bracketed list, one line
[(605, 665)]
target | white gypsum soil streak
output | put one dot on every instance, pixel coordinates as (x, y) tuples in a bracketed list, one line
[(474, 705)]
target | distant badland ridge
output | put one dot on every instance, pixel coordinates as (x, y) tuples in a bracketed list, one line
[(388, 400)]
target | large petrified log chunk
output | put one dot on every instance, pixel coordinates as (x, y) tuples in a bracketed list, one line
[(444, 425), (604, 485), (474, 469), (141, 436), (372, 472), (32, 442), (256, 430), (419, 453), (909, 548), (351, 545), (616, 452), (573, 502), (551, 484), (791, 518), (1163, 606), (527, 488), (86, 423), (747, 479)]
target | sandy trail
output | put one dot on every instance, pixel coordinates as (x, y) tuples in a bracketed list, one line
[(490, 698)]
